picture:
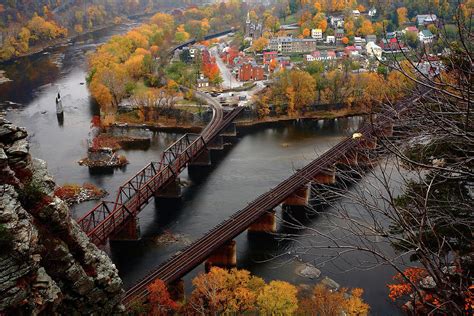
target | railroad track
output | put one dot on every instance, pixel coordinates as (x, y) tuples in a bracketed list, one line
[(107, 218), (188, 258)]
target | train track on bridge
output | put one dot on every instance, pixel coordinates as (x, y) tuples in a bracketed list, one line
[(187, 259), (108, 218)]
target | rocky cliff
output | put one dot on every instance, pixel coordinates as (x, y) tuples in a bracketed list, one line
[(47, 264)]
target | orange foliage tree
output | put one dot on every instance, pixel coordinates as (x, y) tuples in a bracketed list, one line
[(160, 300)]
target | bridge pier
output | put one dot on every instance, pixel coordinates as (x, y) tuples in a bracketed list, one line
[(327, 176), (368, 143), (356, 159), (203, 160), (170, 191), (265, 224), (216, 144), (224, 257), (130, 231), (176, 290), (298, 198), (229, 131)]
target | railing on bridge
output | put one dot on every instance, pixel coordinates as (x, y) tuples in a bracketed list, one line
[(108, 218)]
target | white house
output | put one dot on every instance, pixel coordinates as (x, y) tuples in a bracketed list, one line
[(309, 58), (202, 82), (330, 39), (425, 36), (336, 21), (358, 41), (317, 34), (373, 50), (372, 12), (193, 52), (356, 13), (423, 19)]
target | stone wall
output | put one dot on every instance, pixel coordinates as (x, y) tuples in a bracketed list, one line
[(47, 264)]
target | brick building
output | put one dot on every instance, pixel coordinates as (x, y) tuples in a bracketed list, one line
[(250, 72)]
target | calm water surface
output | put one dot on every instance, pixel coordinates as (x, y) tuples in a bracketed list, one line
[(259, 160)]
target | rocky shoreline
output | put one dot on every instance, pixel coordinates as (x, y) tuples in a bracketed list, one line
[(47, 263)]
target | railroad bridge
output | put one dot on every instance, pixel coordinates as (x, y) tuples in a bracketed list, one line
[(218, 248), (118, 219)]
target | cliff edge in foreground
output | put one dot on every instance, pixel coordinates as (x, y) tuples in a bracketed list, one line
[(47, 263)]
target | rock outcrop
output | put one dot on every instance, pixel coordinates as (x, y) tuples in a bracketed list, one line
[(47, 264)]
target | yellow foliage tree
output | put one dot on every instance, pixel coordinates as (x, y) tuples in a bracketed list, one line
[(402, 15), (259, 44), (278, 298)]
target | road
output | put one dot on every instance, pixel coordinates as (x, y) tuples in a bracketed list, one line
[(228, 80)]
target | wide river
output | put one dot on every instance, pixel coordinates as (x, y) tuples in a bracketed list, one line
[(259, 160)]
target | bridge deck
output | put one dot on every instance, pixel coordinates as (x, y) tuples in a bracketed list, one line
[(107, 218), (196, 253)]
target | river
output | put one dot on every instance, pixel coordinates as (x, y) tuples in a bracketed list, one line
[(259, 160)]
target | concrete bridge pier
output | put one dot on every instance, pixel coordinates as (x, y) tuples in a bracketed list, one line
[(299, 198), (130, 231), (265, 224), (200, 165), (326, 177), (176, 290), (171, 191), (216, 144), (229, 133), (368, 143), (224, 257)]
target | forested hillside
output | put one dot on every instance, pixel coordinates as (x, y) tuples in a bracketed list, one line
[(28, 25)]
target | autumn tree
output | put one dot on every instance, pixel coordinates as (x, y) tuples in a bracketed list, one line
[(224, 292), (366, 28), (259, 44), (160, 301), (278, 298), (402, 15)]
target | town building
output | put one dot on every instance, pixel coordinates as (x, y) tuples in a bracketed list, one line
[(359, 41), (371, 38), (372, 12), (339, 33), (356, 13), (317, 34), (202, 82), (269, 56), (373, 50), (330, 39), (392, 46), (352, 51), (253, 30), (289, 45), (250, 71), (424, 19), (336, 21), (426, 36), (325, 55), (412, 29)]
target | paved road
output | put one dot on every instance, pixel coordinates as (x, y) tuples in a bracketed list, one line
[(228, 80)]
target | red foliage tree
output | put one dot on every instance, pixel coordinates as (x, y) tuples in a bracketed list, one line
[(160, 299)]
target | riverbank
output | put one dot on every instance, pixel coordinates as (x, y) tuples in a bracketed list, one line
[(38, 49), (315, 115), (171, 126)]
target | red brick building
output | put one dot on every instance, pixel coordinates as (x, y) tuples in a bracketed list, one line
[(268, 56), (250, 72)]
